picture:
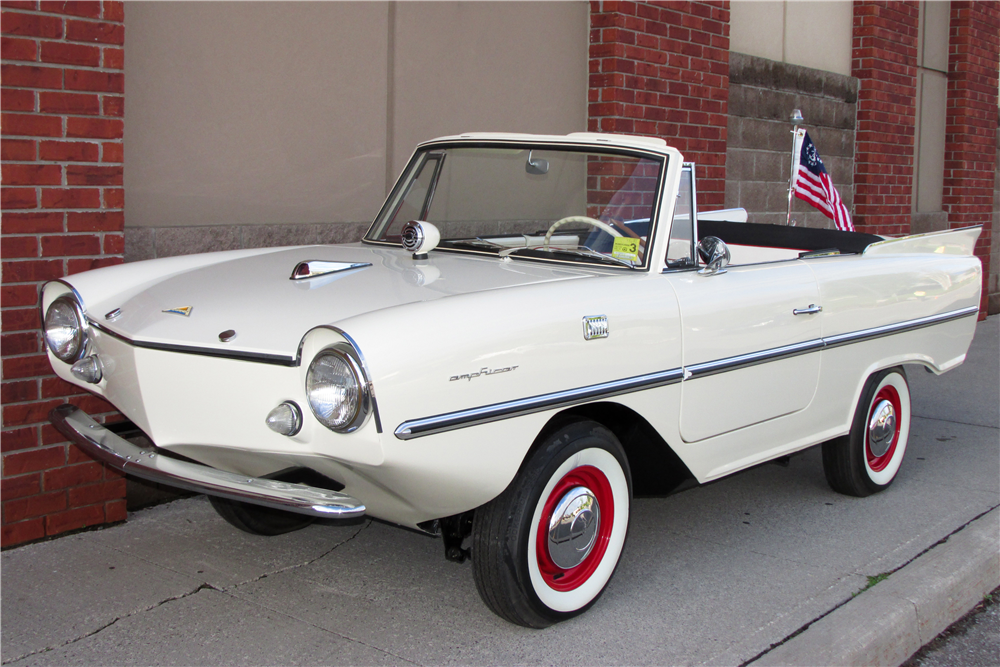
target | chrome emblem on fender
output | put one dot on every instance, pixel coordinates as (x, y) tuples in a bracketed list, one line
[(482, 371), (182, 310), (595, 326)]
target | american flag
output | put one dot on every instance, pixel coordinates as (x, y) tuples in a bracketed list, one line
[(813, 184)]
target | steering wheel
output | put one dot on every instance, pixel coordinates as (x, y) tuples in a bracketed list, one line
[(579, 218)]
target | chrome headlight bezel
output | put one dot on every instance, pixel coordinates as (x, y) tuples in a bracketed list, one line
[(362, 408), (79, 350)]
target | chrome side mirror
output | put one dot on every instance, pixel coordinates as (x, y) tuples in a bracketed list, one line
[(714, 252)]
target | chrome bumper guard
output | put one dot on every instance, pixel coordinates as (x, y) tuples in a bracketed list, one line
[(115, 451)]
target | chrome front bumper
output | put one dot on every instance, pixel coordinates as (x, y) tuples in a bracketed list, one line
[(115, 451)]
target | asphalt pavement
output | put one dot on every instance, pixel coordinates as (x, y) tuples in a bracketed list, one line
[(768, 566)]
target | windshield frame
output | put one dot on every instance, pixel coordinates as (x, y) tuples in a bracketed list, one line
[(423, 150)]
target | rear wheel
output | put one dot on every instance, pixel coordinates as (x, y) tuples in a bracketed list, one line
[(866, 460), (546, 548), (258, 520)]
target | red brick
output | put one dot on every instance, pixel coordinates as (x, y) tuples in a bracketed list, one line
[(50, 436), (22, 319), (114, 244), (75, 518), (18, 100), (22, 414), (30, 5), (32, 25), (114, 10), (91, 31), (97, 221), (33, 506), (21, 486), (81, 265), (114, 197), (18, 150), (31, 76), (18, 295), (32, 223), (71, 198), (113, 105), (54, 387), (97, 493), (86, 8), (30, 125), (21, 532), (31, 174), (99, 82), (69, 151), (93, 175), (76, 475), (115, 511), (63, 246), (112, 152), (94, 128), (18, 246), (93, 405), (19, 438), (19, 390), (33, 460), (14, 198), (71, 54), (114, 58)]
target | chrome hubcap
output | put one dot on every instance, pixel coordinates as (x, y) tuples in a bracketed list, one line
[(881, 428), (573, 527)]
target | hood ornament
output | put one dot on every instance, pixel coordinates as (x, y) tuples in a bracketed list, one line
[(181, 310), (317, 267)]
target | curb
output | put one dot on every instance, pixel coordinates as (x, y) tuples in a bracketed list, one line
[(891, 621)]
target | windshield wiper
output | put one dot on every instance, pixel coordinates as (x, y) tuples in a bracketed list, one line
[(579, 251), (475, 243)]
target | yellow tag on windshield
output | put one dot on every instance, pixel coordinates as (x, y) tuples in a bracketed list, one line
[(626, 248)]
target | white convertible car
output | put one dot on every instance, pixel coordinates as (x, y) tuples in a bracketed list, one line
[(534, 329)]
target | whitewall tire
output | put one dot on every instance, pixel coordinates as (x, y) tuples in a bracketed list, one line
[(546, 548), (867, 460)]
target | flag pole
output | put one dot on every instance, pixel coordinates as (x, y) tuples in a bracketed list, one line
[(795, 119)]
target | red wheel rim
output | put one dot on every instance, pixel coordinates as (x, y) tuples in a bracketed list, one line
[(555, 577), (886, 393)]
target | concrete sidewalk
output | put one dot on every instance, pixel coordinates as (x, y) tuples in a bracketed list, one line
[(764, 566)]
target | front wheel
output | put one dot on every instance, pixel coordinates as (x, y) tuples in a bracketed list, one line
[(867, 459), (545, 549)]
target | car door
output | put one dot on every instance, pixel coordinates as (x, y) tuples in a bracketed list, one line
[(750, 340)]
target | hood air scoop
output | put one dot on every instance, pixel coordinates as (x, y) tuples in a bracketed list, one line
[(317, 267)]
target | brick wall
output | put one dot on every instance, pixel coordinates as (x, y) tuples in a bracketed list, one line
[(662, 70), (884, 57), (62, 196), (971, 129), (762, 95)]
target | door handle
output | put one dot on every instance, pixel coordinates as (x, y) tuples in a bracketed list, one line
[(808, 310)]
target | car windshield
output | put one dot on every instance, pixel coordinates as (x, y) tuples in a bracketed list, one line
[(565, 204)]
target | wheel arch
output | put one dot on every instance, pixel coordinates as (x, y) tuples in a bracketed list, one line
[(656, 469)]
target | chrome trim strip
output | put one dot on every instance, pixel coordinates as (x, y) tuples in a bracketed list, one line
[(707, 368), (901, 327), (450, 421), (560, 399), (109, 448), (256, 357)]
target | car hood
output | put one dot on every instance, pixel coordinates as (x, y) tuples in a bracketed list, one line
[(255, 297)]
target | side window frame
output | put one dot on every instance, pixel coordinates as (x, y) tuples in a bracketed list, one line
[(691, 260)]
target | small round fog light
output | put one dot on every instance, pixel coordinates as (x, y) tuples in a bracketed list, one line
[(88, 369), (285, 419)]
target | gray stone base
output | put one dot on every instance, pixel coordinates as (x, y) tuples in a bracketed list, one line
[(762, 95), (152, 242)]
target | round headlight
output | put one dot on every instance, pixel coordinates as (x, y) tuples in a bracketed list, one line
[(64, 329), (335, 389)]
